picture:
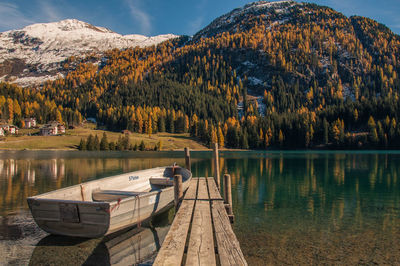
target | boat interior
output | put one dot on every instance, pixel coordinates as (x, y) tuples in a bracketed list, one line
[(119, 187), (155, 183)]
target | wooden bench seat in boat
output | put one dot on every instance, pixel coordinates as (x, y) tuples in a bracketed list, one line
[(113, 195), (161, 181)]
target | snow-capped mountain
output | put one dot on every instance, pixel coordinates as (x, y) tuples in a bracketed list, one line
[(33, 54)]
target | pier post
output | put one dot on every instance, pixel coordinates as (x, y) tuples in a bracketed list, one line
[(216, 166), (178, 190), (228, 196), (187, 159)]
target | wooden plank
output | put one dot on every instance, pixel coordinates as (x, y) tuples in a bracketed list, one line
[(201, 243), (212, 187), (171, 252), (227, 244), (162, 181), (202, 193), (191, 193)]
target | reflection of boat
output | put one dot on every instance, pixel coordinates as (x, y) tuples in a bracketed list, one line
[(104, 206), (129, 248)]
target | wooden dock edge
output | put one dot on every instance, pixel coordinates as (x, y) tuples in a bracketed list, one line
[(201, 233)]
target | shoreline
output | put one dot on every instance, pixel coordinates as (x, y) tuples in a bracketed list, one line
[(2, 150)]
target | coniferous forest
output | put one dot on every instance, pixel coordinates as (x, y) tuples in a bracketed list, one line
[(316, 80)]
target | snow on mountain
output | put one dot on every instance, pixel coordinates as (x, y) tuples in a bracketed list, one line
[(229, 21), (33, 54)]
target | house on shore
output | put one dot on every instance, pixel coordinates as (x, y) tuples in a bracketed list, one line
[(10, 129), (52, 128), (13, 130), (126, 132), (30, 122), (5, 127)]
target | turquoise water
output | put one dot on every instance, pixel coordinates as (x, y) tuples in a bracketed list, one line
[(290, 207)]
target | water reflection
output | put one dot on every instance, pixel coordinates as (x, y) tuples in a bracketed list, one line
[(290, 208), (131, 247), (311, 205), (24, 177)]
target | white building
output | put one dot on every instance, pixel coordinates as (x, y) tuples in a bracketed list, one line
[(30, 122)]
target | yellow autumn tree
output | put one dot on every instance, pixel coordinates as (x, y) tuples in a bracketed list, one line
[(221, 139)]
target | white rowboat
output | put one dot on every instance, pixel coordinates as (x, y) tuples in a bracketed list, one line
[(104, 206)]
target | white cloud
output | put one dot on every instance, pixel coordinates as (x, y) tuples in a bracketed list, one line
[(140, 16), (49, 12), (11, 17), (196, 24)]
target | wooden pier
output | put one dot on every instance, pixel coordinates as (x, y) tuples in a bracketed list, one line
[(201, 233)]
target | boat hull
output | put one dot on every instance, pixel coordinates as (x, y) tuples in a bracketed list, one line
[(93, 219)]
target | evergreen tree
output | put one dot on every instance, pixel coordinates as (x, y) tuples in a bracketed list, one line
[(326, 131), (373, 134), (221, 140), (90, 144), (159, 145), (142, 147), (104, 143), (161, 124), (232, 137), (82, 145), (96, 143), (244, 144), (281, 137), (120, 144), (111, 145), (125, 142)]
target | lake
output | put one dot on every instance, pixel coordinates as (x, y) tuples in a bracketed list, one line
[(290, 207)]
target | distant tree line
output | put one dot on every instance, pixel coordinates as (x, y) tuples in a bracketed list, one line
[(92, 143)]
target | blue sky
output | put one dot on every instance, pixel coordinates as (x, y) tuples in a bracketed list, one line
[(153, 17)]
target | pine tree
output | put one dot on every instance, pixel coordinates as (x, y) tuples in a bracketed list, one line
[(244, 143), (59, 117), (335, 133), (120, 144), (104, 143), (281, 138), (125, 142), (90, 145), (150, 127), (111, 146), (221, 140), (142, 147), (161, 124), (373, 134), (96, 144), (326, 131), (232, 137), (82, 145)]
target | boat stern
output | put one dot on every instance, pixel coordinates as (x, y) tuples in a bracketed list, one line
[(71, 218)]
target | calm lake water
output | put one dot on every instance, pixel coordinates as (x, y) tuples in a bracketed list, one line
[(290, 207)]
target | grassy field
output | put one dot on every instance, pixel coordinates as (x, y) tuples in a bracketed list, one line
[(71, 139)]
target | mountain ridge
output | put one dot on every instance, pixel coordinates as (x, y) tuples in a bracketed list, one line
[(300, 77), (34, 53)]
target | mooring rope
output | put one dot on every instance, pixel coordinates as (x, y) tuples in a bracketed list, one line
[(115, 206), (139, 223)]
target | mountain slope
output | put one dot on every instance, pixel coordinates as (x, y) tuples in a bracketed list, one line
[(238, 19), (280, 74), (34, 53)]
